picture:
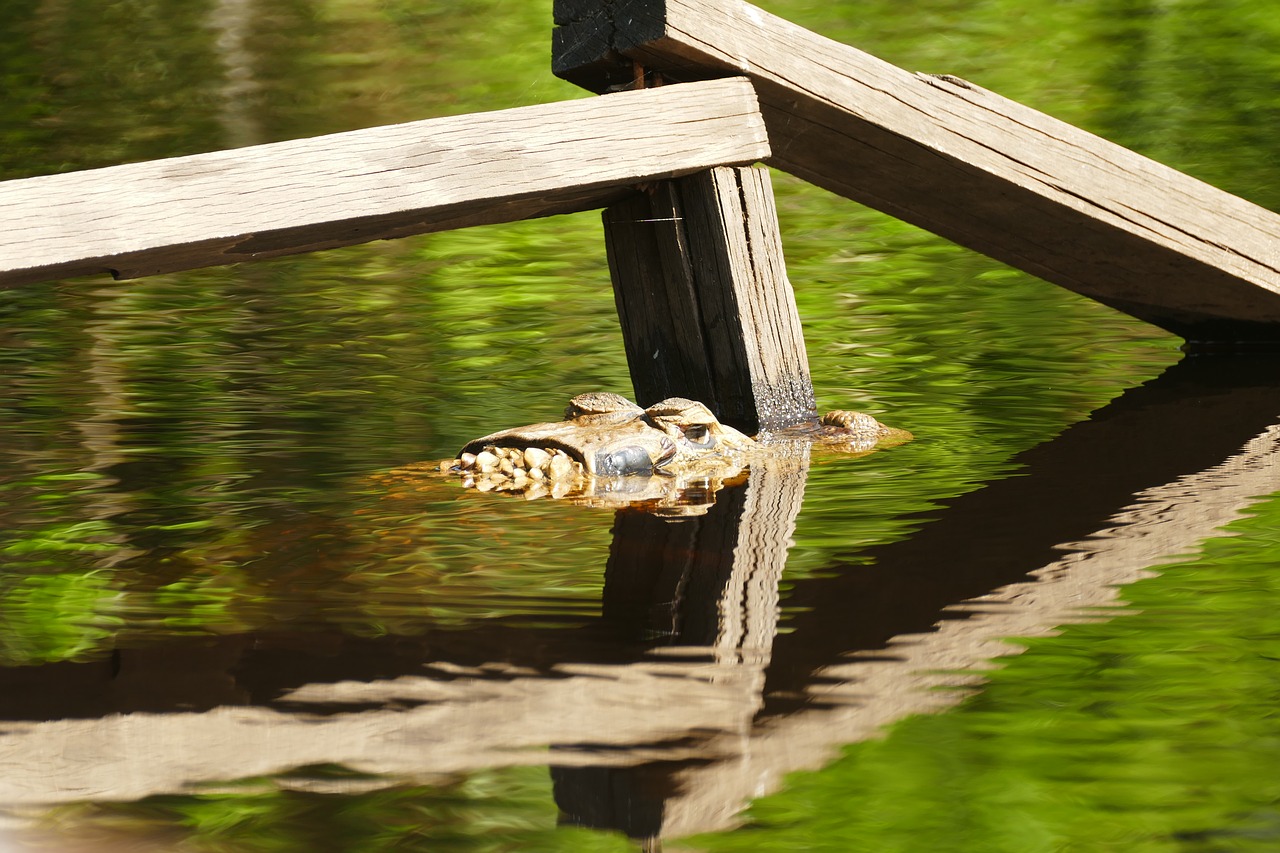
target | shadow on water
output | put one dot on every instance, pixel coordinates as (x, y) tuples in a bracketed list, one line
[(682, 701)]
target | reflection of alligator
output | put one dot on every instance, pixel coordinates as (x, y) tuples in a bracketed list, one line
[(609, 451)]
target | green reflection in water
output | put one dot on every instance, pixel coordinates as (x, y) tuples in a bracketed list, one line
[(207, 446)]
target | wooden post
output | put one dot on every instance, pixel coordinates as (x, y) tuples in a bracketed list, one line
[(348, 188), (960, 161), (707, 312)]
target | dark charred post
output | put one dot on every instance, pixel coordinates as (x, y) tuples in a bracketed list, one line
[(706, 309), (958, 160)]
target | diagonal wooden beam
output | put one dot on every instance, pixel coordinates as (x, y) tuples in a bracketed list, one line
[(958, 160), (348, 188)]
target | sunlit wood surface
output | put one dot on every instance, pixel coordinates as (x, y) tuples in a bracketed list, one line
[(348, 188)]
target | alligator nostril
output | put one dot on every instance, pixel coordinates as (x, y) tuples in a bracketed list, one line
[(699, 436), (624, 460), (669, 451)]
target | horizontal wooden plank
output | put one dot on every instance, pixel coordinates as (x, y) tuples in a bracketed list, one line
[(347, 188), (961, 161)]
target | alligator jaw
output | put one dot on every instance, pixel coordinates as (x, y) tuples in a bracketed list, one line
[(630, 447), (669, 459)]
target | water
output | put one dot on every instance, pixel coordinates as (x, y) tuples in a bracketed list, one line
[(230, 620)]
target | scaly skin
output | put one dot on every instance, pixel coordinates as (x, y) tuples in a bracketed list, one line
[(610, 451)]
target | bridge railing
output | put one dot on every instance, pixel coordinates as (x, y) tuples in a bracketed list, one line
[(693, 240), (338, 190), (960, 161)]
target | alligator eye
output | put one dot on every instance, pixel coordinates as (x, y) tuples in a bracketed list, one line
[(624, 460), (699, 436)]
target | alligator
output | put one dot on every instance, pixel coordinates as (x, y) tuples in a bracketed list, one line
[(608, 451)]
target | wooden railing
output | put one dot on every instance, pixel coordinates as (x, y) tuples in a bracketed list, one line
[(960, 161), (692, 237), (348, 188)]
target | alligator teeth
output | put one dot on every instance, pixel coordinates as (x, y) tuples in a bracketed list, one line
[(560, 467), (532, 472), (535, 458), (486, 462)]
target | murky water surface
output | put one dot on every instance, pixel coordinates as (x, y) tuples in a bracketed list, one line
[(231, 620)]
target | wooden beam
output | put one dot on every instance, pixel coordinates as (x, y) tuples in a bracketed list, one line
[(960, 161), (706, 309), (348, 188)]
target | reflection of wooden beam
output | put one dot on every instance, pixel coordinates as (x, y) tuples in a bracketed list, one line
[(415, 729), (853, 700), (694, 706), (233, 21), (697, 701), (349, 188), (466, 723), (961, 161), (422, 728), (1201, 411)]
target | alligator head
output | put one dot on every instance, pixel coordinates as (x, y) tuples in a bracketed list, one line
[(609, 451), (606, 435)]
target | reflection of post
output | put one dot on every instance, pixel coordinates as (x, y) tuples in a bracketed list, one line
[(701, 586), (232, 20), (749, 602), (100, 431), (711, 580)]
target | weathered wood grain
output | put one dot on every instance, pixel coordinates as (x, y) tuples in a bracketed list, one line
[(707, 311), (963, 162), (348, 188)]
